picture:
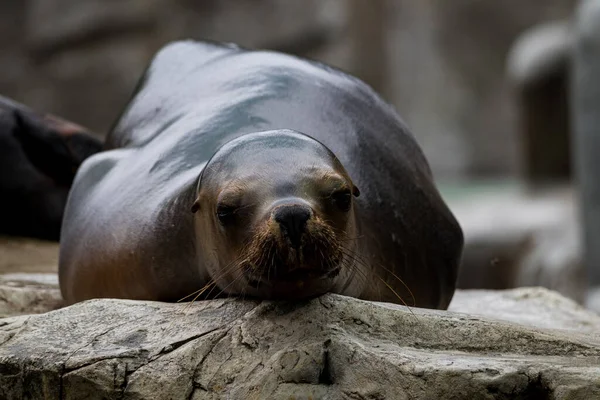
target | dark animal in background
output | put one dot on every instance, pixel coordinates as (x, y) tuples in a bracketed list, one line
[(39, 156)]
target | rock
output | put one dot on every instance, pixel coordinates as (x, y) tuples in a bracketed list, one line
[(26, 293), (585, 98), (555, 261), (329, 347), (514, 239), (28, 276), (532, 306)]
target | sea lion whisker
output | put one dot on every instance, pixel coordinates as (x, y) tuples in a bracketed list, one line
[(382, 280), (199, 291), (397, 295), (398, 278), (347, 238), (350, 261), (401, 281), (211, 282), (363, 274), (269, 266), (351, 266), (271, 262), (198, 295), (226, 287), (227, 269), (235, 263)]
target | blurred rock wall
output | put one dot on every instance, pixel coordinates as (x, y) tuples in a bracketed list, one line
[(441, 63)]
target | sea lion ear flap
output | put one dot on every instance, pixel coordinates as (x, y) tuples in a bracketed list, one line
[(195, 206), (355, 191)]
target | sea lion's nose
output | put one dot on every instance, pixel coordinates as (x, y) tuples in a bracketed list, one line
[(292, 221)]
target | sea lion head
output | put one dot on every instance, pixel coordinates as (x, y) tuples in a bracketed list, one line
[(275, 217)]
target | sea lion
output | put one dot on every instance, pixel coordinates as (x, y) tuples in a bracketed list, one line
[(265, 175), (39, 156)]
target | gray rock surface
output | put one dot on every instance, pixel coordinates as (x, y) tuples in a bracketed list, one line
[(530, 306), (27, 293), (527, 343), (28, 280), (515, 239)]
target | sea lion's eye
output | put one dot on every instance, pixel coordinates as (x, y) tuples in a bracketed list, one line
[(225, 213), (342, 199)]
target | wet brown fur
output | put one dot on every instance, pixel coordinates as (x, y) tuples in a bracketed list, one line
[(268, 251)]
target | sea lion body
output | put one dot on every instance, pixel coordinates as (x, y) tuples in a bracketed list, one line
[(39, 156), (128, 231)]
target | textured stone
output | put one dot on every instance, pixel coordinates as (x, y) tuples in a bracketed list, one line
[(515, 239), (534, 306), (28, 279), (330, 347), (26, 293)]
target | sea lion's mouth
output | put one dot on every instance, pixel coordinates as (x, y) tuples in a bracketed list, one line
[(275, 266), (296, 276)]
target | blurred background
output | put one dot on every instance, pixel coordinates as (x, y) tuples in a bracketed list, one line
[(483, 84), (441, 63)]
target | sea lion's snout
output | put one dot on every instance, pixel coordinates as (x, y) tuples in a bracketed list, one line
[(292, 221), (292, 246)]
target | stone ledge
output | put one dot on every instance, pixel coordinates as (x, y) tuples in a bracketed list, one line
[(28, 293), (514, 238), (329, 347)]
